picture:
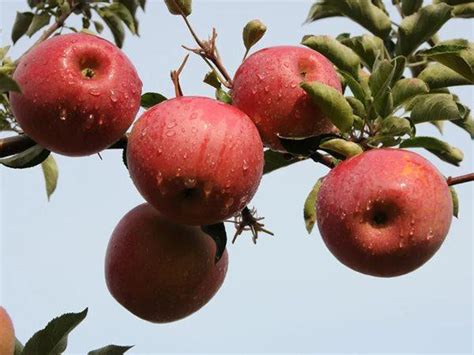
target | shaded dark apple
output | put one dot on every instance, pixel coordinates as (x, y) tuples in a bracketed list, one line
[(7, 334), (161, 271), (197, 160), (267, 88), (384, 212), (80, 93)]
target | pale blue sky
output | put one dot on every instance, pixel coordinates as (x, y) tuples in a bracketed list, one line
[(288, 293)]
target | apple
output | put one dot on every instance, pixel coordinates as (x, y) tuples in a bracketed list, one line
[(7, 334), (80, 93), (196, 160), (384, 212), (159, 270), (267, 88)]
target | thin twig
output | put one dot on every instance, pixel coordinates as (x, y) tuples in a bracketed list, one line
[(460, 179), (175, 77), (323, 159)]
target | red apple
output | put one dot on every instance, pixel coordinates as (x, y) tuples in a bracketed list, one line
[(7, 334), (161, 271), (384, 212), (266, 87), (198, 161), (80, 93)]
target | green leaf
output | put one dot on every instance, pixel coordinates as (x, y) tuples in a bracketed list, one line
[(409, 7), (440, 76), (223, 96), (38, 22), (50, 172), (367, 47), (178, 7), (434, 107), (8, 84), (452, 2), (3, 52), (212, 79), (360, 91), (124, 14), (395, 126), (357, 106), (364, 12), (111, 350), (341, 146), (219, 236), (18, 347), (150, 99), (455, 199), (406, 89), (467, 124), (379, 83), (331, 103), (309, 211), (276, 160), (464, 10), (321, 10), (27, 159), (441, 149), (421, 26), (399, 64), (458, 58), (21, 25), (52, 339), (98, 26), (340, 55), (114, 23), (142, 4), (253, 32)]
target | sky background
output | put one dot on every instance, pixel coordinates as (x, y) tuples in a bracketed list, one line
[(288, 294)]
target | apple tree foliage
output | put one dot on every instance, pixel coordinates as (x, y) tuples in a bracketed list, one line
[(395, 77)]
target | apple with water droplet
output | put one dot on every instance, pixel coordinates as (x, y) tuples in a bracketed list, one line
[(159, 270), (7, 333), (267, 88), (384, 212), (80, 94), (196, 160)]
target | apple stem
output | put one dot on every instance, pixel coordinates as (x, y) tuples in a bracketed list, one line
[(51, 29), (175, 77), (460, 179)]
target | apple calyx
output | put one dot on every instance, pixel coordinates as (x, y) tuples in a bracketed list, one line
[(248, 220)]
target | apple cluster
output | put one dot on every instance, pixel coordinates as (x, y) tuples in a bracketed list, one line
[(197, 161)]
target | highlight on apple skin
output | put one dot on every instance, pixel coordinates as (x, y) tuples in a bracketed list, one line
[(7, 333), (267, 88), (80, 94), (161, 271), (196, 160), (384, 212)]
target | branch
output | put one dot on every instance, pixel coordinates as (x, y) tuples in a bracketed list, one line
[(50, 31), (460, 179), (18, 144), (323, 159), (175, 77)]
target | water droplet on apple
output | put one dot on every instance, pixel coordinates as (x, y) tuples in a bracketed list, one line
[(178, 172), (170, 133), (245, 165), (228, 202), (294, 85), (190, 183), (207, 188), (159, 178), (260, 76), (171, 124), (185, 156), (194, 129), (286, 64), (430, 235), (94, 92), (267, 88), (160, 151), (113, 96), (194, 116), (63, 114)]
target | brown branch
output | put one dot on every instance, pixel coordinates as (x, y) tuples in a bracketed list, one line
[(18, 144), (175, 77), (50, 30), (460, 179), (323, 159)]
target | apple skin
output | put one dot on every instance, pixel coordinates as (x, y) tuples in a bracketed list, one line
[(384, 212), (196, 160), (267, 88), (67, 112), (159, 270), (7, 334)]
